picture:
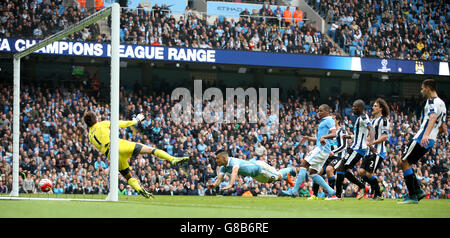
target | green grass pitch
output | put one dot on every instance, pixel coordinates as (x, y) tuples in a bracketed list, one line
[(221, 207)]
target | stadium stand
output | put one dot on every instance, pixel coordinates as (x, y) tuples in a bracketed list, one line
[(40, 19), (388, 30), (412, 30)]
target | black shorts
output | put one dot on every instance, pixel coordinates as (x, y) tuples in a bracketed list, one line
[(331, 161), (371, 163), (413, 152), (351, 158)]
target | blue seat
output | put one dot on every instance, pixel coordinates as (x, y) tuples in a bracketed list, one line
[(221, 19)]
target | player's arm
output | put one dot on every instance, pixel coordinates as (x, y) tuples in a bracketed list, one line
[(307, 138), (233, 178), (384, 132), (133, 122), (371, 138), (331, 135), (380, 140), (431, 122), (443, 128), (217, 182)]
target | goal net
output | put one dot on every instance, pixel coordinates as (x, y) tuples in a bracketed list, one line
[(25, 186)]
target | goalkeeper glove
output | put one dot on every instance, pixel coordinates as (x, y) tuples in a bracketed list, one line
[(139, 118)]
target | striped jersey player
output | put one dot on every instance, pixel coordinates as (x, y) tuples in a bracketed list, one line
[(432, 124), (377, 151)]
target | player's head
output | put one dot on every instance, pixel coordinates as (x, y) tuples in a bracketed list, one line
[(380, 106), (222, 157), (358, 107), (428, 87), (324, 110), (337, 118), (90, 118)]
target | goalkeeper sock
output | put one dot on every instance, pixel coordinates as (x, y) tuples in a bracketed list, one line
[(134, 183), (163, 155)]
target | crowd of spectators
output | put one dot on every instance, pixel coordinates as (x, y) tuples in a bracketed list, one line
[(263, 30), (38, 19), (54, 144), (412, 30)]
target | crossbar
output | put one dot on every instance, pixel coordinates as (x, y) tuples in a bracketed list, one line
[(61, 34)]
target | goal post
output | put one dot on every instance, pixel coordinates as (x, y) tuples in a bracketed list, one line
[(114, 12)]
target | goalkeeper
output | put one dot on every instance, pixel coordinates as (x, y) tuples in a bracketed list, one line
[(99, 136)]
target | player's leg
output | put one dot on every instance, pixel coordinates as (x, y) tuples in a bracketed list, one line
[(287, 174), (367, 163), (299, 180), (316, 164), (316, 186), (412, 154), (349, 161), (304, 166), (340, 171), (124, 168), (162, 154), (371, 167), (267, 174), (330, 175)]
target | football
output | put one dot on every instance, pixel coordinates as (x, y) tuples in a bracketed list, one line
[(45, 185)]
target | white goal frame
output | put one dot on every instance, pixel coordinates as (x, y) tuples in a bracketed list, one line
[(114, 12)]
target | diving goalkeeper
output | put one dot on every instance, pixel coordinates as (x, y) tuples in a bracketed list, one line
[(99, 136)]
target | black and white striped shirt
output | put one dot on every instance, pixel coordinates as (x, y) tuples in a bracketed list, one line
[(361, 130), (433, 105), (340, 146), (381, 127)]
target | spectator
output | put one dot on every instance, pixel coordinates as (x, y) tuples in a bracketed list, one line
[(287, 16)]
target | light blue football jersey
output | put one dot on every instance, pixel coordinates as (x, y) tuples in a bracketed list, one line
[(326, 124), (246, 168)]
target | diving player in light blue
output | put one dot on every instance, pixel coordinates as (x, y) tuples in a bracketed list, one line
[(315, 159), (257, 169)]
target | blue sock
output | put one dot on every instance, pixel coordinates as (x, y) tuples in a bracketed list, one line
[(300, 178), (284, 172), (319, 180), (331, 178)]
